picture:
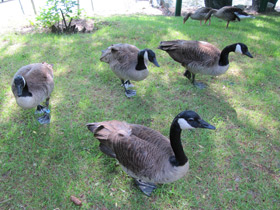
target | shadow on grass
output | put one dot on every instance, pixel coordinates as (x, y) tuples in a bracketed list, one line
[(47, 164)]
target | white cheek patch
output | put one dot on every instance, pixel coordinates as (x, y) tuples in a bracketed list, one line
[(184, 124), (146, 56), (23, 81), (238, 49)]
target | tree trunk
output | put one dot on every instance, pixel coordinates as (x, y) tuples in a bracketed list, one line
[(256, 5), (217, 4), (261, 5), (33, 5)]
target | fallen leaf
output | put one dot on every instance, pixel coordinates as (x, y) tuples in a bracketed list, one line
[(75, 200)]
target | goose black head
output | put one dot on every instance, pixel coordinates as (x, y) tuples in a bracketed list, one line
[(242, 49), (148, 54), (19, 83), (190, 120)]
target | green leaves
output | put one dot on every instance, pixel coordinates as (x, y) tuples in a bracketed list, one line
[(51, 15)]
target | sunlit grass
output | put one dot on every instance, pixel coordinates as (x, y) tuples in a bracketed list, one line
[(235, 167)]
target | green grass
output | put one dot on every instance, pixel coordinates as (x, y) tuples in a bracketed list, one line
[(235, 167)]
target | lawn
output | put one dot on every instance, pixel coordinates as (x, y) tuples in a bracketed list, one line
[(236, 166)]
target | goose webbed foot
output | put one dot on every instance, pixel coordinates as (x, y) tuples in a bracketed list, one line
[(145, 187), (45, 119), (41, 109), (200, 85), (130, 93)]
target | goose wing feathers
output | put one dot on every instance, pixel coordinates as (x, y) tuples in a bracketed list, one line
[(139, 149), (229, 13), (191, 52), (125, 54), (202, 12), (230, 9)]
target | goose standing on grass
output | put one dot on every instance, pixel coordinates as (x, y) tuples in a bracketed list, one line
[(32, 84), (203, 13), (200, 57), (128, 63), (145, 154), (229, 13)]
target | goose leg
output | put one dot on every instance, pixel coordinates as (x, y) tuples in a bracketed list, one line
[(41, 109), (145, 187), (128, 84), (188, 74), (46, 118), (128, 93), (227, 24)]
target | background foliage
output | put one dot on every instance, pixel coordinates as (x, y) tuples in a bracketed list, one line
[(235, 167), (51, 15)]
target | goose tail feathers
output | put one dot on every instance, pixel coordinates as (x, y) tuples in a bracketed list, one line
[(168, 45), (108, 129)]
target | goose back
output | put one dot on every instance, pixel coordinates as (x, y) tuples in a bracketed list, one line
[(228, 13), (201, 13), (123, 59), (39, 80), (142, 152), (197, 56)]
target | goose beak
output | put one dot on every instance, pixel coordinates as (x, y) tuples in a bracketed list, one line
[(204, 124), (155, 62), (248, 54), (19, 91)]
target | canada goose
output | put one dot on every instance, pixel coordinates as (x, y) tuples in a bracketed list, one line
[(203, 13), (229, 13), (128, 63), (201, 57), (32, 84), (145, 154)]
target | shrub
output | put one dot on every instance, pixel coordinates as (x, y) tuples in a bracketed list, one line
[(52, 14)]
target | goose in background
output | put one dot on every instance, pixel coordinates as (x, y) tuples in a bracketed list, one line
[(199, 57), (31, 85), (128, 63), (145, 154), (229, 13), (203, 13)]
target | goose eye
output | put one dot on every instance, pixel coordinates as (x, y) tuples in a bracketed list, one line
[(190, 119)]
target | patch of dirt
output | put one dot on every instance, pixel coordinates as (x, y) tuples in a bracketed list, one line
[(82, 26), (88, 24)]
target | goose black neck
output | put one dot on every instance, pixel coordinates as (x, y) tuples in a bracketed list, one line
[(224, 55), (25, 92), (141, 64), (176, 144)]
